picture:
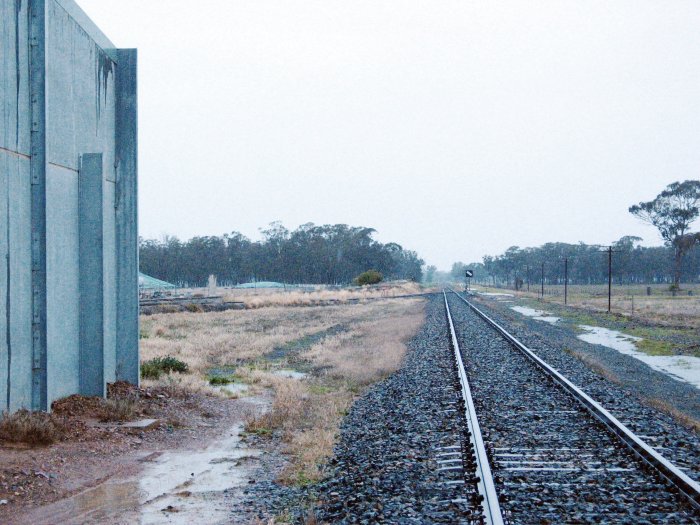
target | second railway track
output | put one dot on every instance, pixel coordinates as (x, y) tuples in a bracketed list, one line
[(552, 461)]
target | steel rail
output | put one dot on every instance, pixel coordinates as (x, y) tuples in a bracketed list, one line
[(485, 485), (687, 486)]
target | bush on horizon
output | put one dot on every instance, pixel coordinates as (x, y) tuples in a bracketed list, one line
[(368, 277)]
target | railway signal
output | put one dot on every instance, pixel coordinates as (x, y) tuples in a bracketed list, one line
[(469, 274)]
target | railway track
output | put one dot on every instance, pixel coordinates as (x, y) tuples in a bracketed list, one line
[(545, 451)]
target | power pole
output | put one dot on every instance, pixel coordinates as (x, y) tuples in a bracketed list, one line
[(609, 278), (566, 279), (543, 281), (528, 277)]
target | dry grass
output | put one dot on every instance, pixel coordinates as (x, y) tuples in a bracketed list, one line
[(275, 297), (367, 353), (33, 428), (305, 413), (120, 410), (679, 416), (661, 308), (595, 365)]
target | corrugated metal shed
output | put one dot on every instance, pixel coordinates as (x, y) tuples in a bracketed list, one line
[(146, 282)]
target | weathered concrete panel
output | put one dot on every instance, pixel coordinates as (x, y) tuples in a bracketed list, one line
[(90, 229), (5, 307), (14, 76), (127, 218), (110, 278), (15, 353), (81, 114), (78, 71), (63, 283)]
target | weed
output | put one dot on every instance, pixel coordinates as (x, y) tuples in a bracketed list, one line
[(153, 368), (679, 416), (194, 308), (258, 425), (33, 428), (221, 380), (119, 410)]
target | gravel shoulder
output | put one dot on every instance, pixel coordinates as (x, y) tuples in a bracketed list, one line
[(389, 465)]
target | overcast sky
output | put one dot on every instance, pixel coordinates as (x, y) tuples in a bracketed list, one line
[(455, 128)]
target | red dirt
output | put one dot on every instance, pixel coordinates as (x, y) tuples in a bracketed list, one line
[(91, 451)]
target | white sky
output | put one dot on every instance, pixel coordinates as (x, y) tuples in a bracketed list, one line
[(455, 128)]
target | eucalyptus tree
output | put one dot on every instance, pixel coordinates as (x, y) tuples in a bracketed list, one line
[(672, 212)]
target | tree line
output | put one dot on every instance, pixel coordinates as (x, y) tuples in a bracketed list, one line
[(672, 212), (311, 254), (587, 264)]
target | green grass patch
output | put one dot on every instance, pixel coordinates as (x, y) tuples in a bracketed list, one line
[(655, 347), (260, 431), (154, 368), (321, 389), (221, 380)]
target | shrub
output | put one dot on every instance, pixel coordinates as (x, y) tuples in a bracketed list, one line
[(220, 380), (194, 308), (153, 368), (368, 277), (34, 428)]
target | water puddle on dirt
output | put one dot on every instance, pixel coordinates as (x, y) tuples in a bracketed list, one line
[(232, 389), (175, 487), (539, 315), (495, 294), (290, 374), (680, 367)]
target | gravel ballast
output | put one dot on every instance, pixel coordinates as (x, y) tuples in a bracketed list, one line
[(401, 457), (554, 463), (627, 398)]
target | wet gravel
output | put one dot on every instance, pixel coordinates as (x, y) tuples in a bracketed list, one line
[(553, 462), (402, 455)]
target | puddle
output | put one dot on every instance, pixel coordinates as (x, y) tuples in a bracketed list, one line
[(232, 389), (680, 367), (495, 294), (539, 315), (291, 374), (175, 487)]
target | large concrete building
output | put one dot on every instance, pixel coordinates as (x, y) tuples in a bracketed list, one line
[(68, 225)]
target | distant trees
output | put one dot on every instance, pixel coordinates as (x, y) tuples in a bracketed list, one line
[(672, 212), (328, 254), (587, 264)]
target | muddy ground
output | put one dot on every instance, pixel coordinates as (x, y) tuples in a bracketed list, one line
[(103, 472)]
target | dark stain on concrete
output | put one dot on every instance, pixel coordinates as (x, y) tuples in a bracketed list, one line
[(103, 68)]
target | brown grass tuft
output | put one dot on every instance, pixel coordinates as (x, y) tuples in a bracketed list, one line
[(119, 410), (682, 418), (33, 428)]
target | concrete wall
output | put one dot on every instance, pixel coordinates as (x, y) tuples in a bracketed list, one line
[(67, 241)]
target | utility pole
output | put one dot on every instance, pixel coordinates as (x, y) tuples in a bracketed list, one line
[(609, 278), (566, 279), (543, 281), (527, 269)]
